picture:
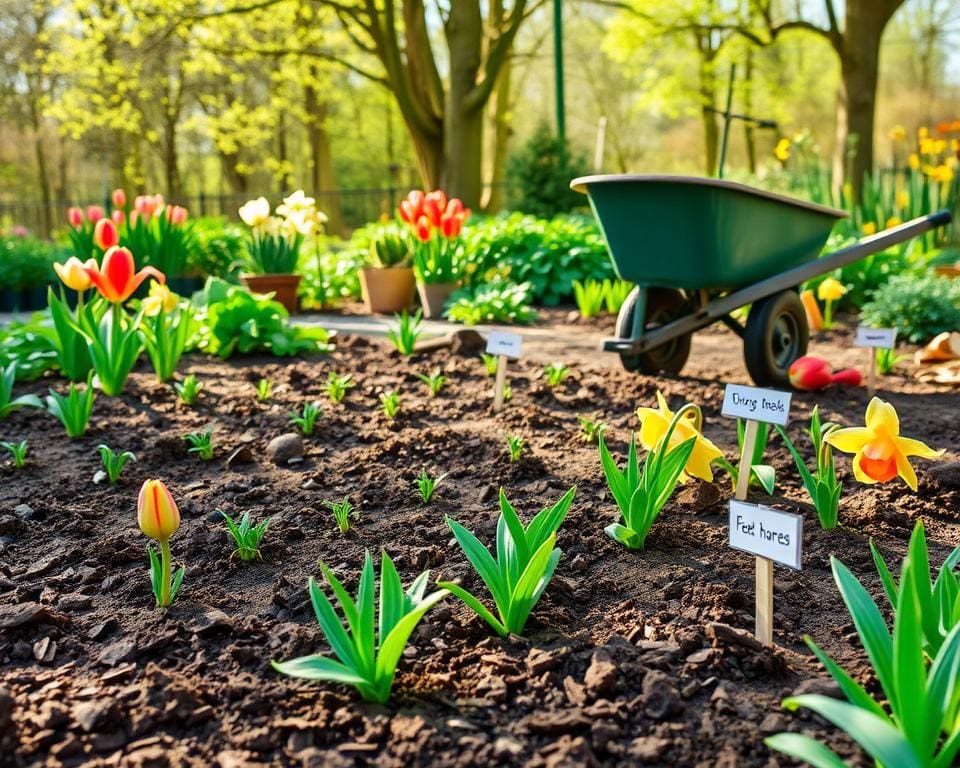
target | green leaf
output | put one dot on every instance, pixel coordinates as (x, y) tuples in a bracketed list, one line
[(805, 748), (851, 689), (629, 538), (521, 601), (483, 562), (318, 667), (332, 629), (392, 602), (479, 608), (766, 475)]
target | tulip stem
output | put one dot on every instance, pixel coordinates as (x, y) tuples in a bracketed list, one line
[(164, 573)]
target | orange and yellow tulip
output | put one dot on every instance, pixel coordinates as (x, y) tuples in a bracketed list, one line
[(157, 512), (116, 278), (73, 273), (880, 453)]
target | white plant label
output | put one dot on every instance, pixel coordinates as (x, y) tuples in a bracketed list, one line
[(884, 338), (503, 343), (756, 404), (766, 532)]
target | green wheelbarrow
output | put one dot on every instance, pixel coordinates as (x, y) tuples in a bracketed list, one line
[(698, 249)]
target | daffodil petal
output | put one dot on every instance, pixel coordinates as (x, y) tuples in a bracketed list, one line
[(664, 407), (652, 429), (910, 447), (858, 473), (905, 470), (700, 462), (849, 440), (880, 414)]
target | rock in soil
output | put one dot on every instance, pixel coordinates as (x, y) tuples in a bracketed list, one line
[(285, 448)]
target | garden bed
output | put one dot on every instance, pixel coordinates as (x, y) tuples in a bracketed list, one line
[(630, 658)]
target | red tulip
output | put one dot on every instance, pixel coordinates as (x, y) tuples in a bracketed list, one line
[(423, 229), (116, 278), (176, 214), (94, 213), (411, 208), (119, 198), (434, 205), (850, 377), (451, 223), (75, 217), (810, 373), (117, 217), (105, 234)]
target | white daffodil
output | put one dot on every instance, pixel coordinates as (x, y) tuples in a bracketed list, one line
[(255, 213)]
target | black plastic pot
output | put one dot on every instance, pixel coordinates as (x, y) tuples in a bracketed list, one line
[(10, 300)]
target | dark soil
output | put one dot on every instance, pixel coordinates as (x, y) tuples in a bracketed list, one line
[(630, 658)]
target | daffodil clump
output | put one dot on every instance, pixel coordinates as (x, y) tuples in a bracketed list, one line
[(829, 292), (276, 238)]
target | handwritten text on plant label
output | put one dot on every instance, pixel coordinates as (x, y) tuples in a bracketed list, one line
[(884, 338), (757, 404), (502, 343), (766, 532)]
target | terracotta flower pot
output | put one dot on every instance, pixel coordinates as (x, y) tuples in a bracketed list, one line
[(283, 287), (387, 289), (434, 295)]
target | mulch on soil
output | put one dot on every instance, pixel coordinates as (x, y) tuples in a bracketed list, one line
[(630, 658)]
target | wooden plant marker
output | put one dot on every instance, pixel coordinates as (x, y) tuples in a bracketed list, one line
[(874, 339), (504, 345), (747, 531)]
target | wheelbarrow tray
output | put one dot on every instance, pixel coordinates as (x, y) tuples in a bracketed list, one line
[(695, 233)]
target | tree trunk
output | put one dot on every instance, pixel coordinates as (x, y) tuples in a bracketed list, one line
[(322, 175), (463, 121), (284, 177), (499, 113), (708, 97), (749, 130)]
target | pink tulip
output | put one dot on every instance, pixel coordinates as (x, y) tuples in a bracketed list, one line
[(119, 198), (117, 217), (176, 214), (105, 234), (75, 217), (94, 213)]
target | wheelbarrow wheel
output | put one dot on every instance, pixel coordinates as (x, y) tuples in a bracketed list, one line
[(775, 336), (663, 305)]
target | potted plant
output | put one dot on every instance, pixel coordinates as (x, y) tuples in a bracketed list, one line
[(387, 282), (438, 253), (273, 249)]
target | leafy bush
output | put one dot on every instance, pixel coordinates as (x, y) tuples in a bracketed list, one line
[(549, 254), (219, 246), (919, 307), (30, 346), (494, 303), (234, 320), (26, 262), (333, 274), (540, 173)]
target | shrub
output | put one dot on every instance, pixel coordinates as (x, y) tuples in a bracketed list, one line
[(494, 303), (540, 172), (919, 307), (219, 246), (26, 262)]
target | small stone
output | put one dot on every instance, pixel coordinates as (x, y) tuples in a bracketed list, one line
[(210, 620), (601, 676), (92, 714), (103, 629), (283, 448), (698, 657), (660, 695), (506, 746), (115, 653), (99, 476), (24, 511), (773, 723), (242, 455), (820, 685), (648, 749), (44, 650), (310, 485), (22, 615), (539, 661)]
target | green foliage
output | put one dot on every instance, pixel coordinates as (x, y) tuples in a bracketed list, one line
[(308, 419), (515, 445), (69, 343), (548, 254), (342, 512), (591, 431), (115, 344), (540, 171), (493, 303), (17, 451), (9, 403), (887, 360), (426, 485), (201, 444), (821, 484), (390, 402), (264, 390), (246, 536), (589, 296), (113, 463), (404, 335), (27, 261), (188, 390), (74, 409), (490, 363), (330, 272), (761, 474), (556, 373), (29, 345), (525, 562), (615, 292), (369, 648), (920, 725), (640, 493), (389, 245), (157, 241), (918, 307), (337, 386), (219, 246), (166, 336), (233, 320), (939, 598), (434, 381)]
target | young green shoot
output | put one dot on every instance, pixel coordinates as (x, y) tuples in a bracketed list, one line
[(589, 296), (525, 561), (390, 402), (246, 536), (821, 483), (556, 373), (507, 392), (264, 390), (17, 451), (515, 445), (760, 473), (74, 409), (434, 381), (9, 403), (427, 486), (369, 647), (406, 332), (887, 360), (201, 443), (188, 390), (490, 363), (342, 512), (337, 386), (591, 431), (113, 463), (307, 420)]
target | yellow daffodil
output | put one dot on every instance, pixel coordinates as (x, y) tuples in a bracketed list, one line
[(830, 289), (893, 221), (880, 454), (782, 150), (255, 213), (868, 228), (913, 161), (654, 423), (161, 299), (898, 133), (903, 198), (923, 132), (73, 273), (942, 173)]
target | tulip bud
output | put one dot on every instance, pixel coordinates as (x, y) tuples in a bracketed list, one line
[(117, 217), (176, 214), (94, 213), (75, 217), (809, 373), (157, 512), (105, 234), (119, 198)]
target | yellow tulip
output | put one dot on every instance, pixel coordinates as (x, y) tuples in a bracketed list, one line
[(161, 299), (868, 228), (157, 512), (782, 150), (903, 198), (73, 273), (923, 132), (880, 454), (654, 423), (830, 289)]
